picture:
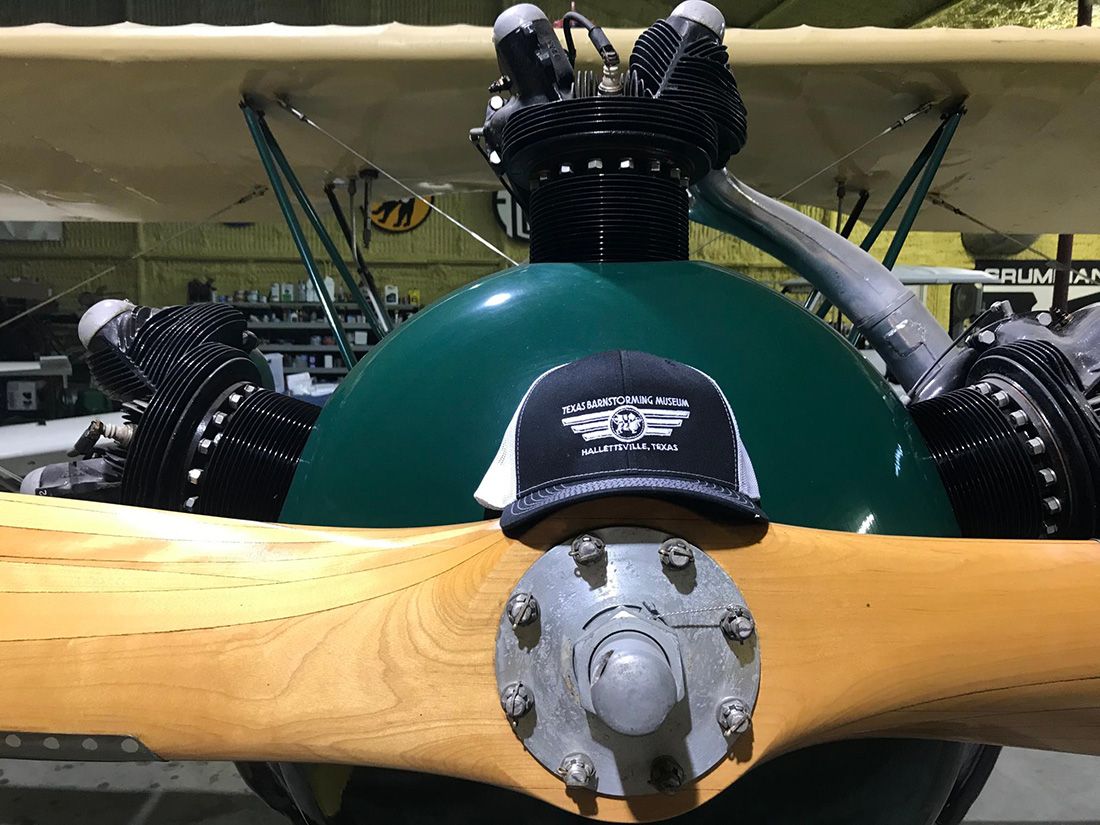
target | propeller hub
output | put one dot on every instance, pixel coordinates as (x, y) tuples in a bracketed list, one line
[(628, 664)]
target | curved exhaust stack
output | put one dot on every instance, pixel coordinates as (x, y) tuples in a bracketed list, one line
[(887, 313)]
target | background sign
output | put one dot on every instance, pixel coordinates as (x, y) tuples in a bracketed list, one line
[(1029, 285), (402, 215), (510, 216)]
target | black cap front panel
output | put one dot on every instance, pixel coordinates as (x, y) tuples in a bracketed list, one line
[(636, 414)]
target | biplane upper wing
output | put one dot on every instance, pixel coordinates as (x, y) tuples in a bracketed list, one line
[(129, 122)]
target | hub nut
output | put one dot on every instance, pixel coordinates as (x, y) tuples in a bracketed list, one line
[(666, 775), (523, 609), (578, 772), (587, 550), (734, 718), (676, 554), (517, 701), (738, 623)]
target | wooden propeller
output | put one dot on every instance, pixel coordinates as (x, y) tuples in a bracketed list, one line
[(220, 639)]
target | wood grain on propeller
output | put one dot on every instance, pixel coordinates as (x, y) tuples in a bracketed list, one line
[(221, 639)]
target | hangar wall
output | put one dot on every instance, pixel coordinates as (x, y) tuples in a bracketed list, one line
[(434, 258)]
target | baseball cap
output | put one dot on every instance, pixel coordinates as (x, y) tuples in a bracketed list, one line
[(620, 423)]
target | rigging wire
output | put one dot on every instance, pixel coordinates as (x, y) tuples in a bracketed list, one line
[(257, 191), (12, 477), (950, 207), (306, 119), (897, 124)]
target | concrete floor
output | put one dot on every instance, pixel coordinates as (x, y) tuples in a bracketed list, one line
[(1027, 787)]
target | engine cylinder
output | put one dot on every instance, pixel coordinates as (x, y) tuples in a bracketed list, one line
[(252, 456), (603, 167)]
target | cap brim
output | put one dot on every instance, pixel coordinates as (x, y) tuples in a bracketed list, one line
[(528, 509)]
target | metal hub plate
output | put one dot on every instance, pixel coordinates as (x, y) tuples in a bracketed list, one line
[(690, 601)]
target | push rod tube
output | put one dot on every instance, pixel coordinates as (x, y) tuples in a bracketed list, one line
[(888, 314)]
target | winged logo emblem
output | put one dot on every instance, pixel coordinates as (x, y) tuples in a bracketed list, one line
[(626, 423)]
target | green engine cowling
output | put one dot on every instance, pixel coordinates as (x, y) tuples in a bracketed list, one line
[(407, 437)]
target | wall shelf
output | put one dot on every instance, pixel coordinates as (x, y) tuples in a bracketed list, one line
[(300, 325), (342, 306), (275, 347), (294, 335)]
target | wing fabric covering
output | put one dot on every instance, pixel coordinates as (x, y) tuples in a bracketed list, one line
[(128, 122)]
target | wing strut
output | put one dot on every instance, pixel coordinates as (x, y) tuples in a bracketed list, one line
[(278, 168)]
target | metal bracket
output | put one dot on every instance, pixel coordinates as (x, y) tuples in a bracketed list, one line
[(82, 747)]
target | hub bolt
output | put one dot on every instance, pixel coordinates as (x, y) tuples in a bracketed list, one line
[(676, 554), (522, 610), (738, 623), (734, 718), (587, 550), (1018, 418), (204, 445), (235, 400), (666, 775), (194, 475), (516, 700), (578, 772)]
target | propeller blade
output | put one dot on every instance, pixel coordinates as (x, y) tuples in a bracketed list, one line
[(220, 639)]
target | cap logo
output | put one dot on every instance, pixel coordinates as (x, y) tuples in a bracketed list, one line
[(627, 422)]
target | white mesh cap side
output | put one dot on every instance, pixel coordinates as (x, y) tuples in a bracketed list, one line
[(746, 475), (499, 486)]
